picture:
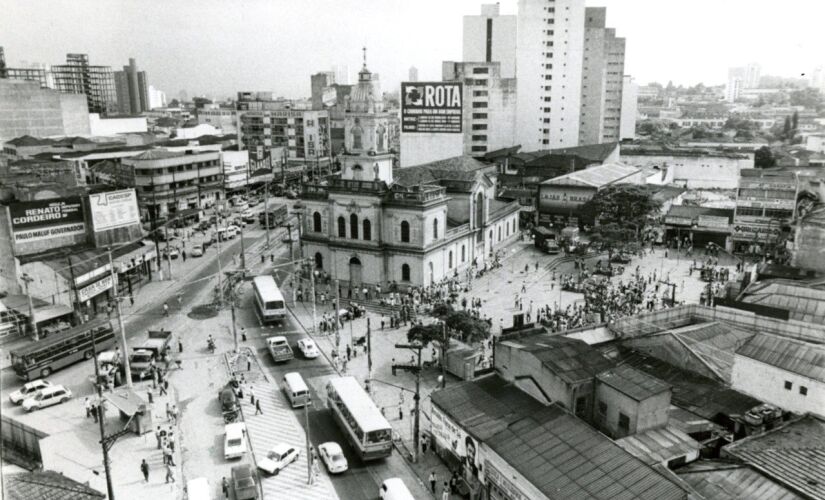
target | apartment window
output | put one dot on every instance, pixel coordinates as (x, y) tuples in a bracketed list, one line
[(463, 253), (788, 385), (602, 408), (479, 93), (479, 116), (405, 232), (479, 104), (479, 71), (353, 226), (479, 137), (405, 272), (316, 222), (367, 229), (803, 390), (342, 227), (624, 422), (450, 260), (479, 126), (435, 229), (478, 149)]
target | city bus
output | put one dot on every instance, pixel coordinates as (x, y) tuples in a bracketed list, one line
[(364, 425), (39, 359), (268, 299)]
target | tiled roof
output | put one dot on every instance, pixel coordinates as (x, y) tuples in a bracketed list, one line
[(723, 480), (570, 359), (792, 454), (788, 354), (459, 168), (486, 406), (27, 140), (594, 152), (598, 176), (565, 458), (803, 302), (632, 382), (659, 446), (47, 485), (699, 395), (156, 154)]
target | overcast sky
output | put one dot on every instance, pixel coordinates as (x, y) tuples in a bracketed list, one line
[(222, 46)]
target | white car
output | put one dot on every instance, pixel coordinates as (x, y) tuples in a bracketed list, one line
[(234, 443), (197, 251), (172, 252), (333, 457), (28, 390), (49, 396), (278, 458), (308, 348)]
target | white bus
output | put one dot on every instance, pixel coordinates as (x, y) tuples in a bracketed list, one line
[(269, 299), (362, 422)]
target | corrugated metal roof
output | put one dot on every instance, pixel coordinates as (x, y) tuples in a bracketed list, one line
[(47, 485), (792, 454), (632, 382), (598, 176), (715, 343), (804, 302), (792, 355), (693, 392), (565, 458), (722, 480), (571, 359), (659, 446)]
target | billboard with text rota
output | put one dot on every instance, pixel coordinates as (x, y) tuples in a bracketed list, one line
[(431, 107), (114, 209)]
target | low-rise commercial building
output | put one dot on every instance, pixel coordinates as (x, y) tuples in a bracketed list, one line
[(765, 203), (559, 199), (692, 168), (700, 225), (169, 182)]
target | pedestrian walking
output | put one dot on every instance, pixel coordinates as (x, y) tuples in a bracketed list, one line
[(433, 479), (243, 337), (166, 309), (180, 346), (95, 409), (445, 492), (425, 441), (225, 487), (349, 352), (163, 387), (170, 472), (258, 410), (144, 469), (132, 300), (248, 363), (88, 404), (159, 436), (251, 396)]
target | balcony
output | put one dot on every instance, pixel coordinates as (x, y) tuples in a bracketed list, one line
[(314, 192), (417, 195)]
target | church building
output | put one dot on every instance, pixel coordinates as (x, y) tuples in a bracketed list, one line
[(375, 224)]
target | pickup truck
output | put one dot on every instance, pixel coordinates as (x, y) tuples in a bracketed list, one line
[(157, 342), (279, 349), (139, 362)]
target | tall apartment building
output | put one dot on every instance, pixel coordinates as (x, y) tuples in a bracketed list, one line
[(489, 112), (77, 76), (34, 73), (491, 37), (169, 182), (341, 74), (602, 79), (265, 124), (131, 89), (319, 82), (549, 51), (412, 74), (630, 107)]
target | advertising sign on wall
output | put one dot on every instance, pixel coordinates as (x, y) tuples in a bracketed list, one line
[(95, 288), (431, 107), (46, 219), (449, 435), (114, 209)]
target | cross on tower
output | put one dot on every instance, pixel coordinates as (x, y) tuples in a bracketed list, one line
[(364, 49)]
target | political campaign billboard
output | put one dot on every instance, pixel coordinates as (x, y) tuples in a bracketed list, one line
[(46, 223)]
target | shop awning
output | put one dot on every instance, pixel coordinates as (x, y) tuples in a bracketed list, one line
[(137, 253), (127, 401), (20, 303), (51, 312)]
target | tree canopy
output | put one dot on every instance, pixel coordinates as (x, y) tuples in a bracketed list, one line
[(460, 324), (764, 158), (627, 205)]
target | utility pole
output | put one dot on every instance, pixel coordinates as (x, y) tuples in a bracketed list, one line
[(416, 368), (289, 239), (220, 267), (168, 257), (243, 252), (266, 209), (337, 319), (308, 442), (369, 351), (124, 347), (312, 286), (28, 279), (445, 340), (77, 313), (101, 411)]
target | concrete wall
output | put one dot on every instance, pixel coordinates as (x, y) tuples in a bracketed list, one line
[(630, 98), (75, 114), (503, 40), (114, 126), (696, 172), (513, 363), (424, 148), (810, 241), (767, 383), (26, 109)]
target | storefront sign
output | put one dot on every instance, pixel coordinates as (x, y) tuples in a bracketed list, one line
[(714, 221), (95, 288), (762, 184), (509, 489), (46, 219), (114, 209), (431, 107), (763, 203), (678, 221), (755, 231)]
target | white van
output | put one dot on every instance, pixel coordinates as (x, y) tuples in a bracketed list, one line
[(296, 389), (394, 489), (197, 489)]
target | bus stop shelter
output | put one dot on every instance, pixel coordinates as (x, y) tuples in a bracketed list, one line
[(134, 410)]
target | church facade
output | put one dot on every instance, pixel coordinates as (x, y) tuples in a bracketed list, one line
[(415, 226)]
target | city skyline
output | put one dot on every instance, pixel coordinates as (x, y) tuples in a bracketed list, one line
[(221, 51)]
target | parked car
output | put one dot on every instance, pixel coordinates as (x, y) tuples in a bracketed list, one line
[(247, 216), (197, 251), (172, 252), (234, 443), (49, 396), (290, 194), (28, 390), (333, 457), (278, 458), (253, 202), (308, 348)]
